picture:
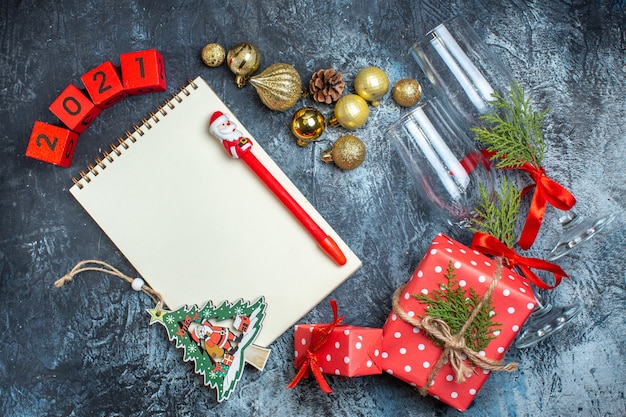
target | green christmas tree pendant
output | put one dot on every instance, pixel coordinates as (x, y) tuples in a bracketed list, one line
[(219, 340)]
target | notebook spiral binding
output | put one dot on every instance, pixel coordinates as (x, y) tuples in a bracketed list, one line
[(100, 163)]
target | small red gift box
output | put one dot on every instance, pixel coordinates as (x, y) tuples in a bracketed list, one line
[(349, 350), (335, 349), (411, 355)]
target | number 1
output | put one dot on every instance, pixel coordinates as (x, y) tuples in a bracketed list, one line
[(141, 71)]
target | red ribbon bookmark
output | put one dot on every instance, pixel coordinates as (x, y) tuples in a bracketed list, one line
[(490, 245), (318, 340)]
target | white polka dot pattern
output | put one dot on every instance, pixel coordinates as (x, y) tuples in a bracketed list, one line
[(410, 355)]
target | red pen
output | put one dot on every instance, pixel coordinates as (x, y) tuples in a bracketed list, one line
[(239, 146)]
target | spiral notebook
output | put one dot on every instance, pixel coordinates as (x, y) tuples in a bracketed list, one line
[(198, 225)]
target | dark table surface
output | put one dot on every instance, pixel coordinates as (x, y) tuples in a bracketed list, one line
[(86, 349)]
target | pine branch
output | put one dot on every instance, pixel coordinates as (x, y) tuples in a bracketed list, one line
[(514, 131), (497, 217), (450, 303)]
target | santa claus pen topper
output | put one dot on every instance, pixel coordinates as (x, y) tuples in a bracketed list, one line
[(239, 146)]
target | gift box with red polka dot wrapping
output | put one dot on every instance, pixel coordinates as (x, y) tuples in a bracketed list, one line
[(409, 354), (349, 350)]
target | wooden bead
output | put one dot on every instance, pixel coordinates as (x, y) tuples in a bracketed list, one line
[(104, 85), (137, 284), (52, 144), (74, 109), (143, 72)]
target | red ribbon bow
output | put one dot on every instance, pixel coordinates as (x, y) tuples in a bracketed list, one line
[(546, 191), (318, 339), (490, 245)]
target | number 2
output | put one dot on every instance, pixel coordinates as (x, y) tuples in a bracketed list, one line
[(51, 144), (102, 75)]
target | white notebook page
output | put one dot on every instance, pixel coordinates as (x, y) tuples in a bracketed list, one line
[(199, 225)]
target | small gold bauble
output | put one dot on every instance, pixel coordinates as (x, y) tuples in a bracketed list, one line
[(244, 59), (213, 54), (372, 84), (307, 125), (407, 92), (351, 112), (279, 86), (347, 153)]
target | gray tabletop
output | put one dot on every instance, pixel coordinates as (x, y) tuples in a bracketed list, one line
[(86, 349)]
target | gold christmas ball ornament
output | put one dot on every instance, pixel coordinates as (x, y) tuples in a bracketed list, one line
[(347, 153), (407, 92), (213, 54), (244, 59), (351, 112), (372, 84), (307, 125), (279, 86)]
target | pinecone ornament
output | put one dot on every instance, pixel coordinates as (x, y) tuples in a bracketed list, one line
[(326, 85)]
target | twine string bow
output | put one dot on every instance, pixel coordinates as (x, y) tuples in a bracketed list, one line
[(455, 348)]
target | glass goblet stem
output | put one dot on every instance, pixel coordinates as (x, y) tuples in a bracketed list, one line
[(576, 230), (545, 320)]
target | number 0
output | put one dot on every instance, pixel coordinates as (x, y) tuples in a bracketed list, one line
[(70, 149), (77, 106)]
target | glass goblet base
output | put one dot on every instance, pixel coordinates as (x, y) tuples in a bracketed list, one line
[(576, 230), (543, 322)]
